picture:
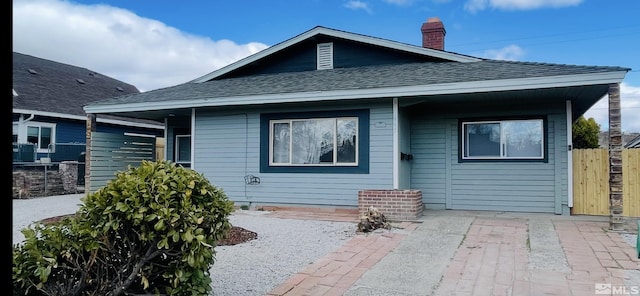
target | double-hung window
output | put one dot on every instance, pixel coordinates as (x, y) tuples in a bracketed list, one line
[(503, 140), (314, 142)]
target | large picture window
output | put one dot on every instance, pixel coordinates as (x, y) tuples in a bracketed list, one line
[(503, 139), (314, 142), (326, 142)]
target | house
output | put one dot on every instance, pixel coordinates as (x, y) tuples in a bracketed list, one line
[(48, 98), (633, 143), (603, 138), (337, 119)]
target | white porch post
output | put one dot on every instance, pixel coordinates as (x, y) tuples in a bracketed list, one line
[(192, 163), (569, 154), (396, 146)]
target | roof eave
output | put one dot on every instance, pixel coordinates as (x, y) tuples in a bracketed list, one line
[(338, 34), (78, 117), (400, 91)]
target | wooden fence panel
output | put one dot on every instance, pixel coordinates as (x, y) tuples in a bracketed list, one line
[(631, 182), (591, 182)]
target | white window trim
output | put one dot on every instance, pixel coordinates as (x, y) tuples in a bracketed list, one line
[(502, 155), (177, 150), (22, 133), (335, 143)]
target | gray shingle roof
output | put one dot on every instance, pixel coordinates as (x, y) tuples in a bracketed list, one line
[(44, 85), (370, 77)]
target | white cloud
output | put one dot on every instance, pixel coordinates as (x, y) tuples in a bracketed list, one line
[(630, 103), (358, 5), (474, 6), (507, 53), (116, 42)]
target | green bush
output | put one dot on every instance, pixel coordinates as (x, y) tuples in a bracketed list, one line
[(150, 230)]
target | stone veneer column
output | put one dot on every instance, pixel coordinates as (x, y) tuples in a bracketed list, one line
[(91, 127), (615, 159)]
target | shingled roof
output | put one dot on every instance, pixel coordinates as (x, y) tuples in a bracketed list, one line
[(435, 74), (61, 90), (345, 79), (44, 85)]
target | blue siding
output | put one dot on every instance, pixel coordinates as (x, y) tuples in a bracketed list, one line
[(429, 160), (404, 145), (71, 132), (503, 186), (346, 54), (227, 148)]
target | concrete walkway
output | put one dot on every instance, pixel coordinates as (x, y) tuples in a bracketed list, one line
[(477, 253)]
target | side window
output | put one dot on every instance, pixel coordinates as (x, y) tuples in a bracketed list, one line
[(41, 135), (503, 140), (183, 150)]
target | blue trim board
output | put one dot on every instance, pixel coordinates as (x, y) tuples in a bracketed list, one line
[(363, 142)]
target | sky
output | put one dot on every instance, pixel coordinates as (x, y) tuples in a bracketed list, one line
[(154, 44)]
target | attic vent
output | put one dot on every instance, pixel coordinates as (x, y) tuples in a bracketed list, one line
[(94, 74), (80, 81), (119, 88), (325, 56), (32, 71)]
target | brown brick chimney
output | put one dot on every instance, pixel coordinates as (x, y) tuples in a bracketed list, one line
[(433, 34)]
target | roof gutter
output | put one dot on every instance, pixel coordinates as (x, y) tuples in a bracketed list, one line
[(402, 91), (77, 117)]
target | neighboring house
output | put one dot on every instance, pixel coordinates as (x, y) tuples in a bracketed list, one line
[(633, 143), (320, 117), (48, 98), (603, 139)]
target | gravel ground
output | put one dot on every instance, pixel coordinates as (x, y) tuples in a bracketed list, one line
[(27, 211), (283, 247)]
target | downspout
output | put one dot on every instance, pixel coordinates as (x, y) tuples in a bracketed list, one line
[(570, 154), (193, 138), (31, 117), (21, 126), (396, 149)]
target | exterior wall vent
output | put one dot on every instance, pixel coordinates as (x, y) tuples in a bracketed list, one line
[(325, 56)]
